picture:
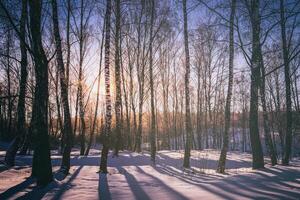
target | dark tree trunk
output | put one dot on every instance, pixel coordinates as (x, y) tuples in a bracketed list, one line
[(68, 42), (222, 159), (206, 106), (41, 167), (289, 123), (244, 142), (187, 149), (175, 109), (199, 110), (8, 74), (257, 153), (67, 132), (152, 131)]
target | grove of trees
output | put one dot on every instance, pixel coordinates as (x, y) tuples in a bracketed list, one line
[(149, 75)]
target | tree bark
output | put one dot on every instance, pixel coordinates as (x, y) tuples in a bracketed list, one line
[(152, 131), (175, 108), (67, 131), (187, 150), (8, 74), (199, 109), (80, 80), (289, 122), (222, 159), (107, 131), (257, 154), (41, 166), (118, 102), (68, 43)]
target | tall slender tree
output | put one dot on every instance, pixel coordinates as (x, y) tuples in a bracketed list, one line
[(222, 159), (199, 107), (81, 78), (8, 46), (285, 53), (67, 131), (188, 124), (118, 102), (107, 131), (140, 66), (152, 131), (68, 42)]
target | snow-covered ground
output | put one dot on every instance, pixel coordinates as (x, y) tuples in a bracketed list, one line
[(132, 176)]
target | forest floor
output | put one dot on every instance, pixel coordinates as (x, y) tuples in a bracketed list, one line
[(133, 176)]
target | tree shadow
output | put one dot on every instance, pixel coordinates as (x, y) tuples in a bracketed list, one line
[(36, 192), (252, 185), (201, 162), (190, 176), (148, 181), (258, 185), (173, 194), (17, 188), (3, 167), (134, 185), (290, 175), (67, 185), (103, 188)]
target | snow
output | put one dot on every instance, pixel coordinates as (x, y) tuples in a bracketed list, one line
[(133, 176)]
